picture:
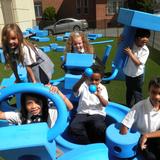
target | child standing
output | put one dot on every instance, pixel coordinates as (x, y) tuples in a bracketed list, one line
[(88, 125), (145, 118), (18, 50), (35, 109), (134, 68)]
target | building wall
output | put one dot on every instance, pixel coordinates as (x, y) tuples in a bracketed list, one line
[(24, 13), (17, 11)]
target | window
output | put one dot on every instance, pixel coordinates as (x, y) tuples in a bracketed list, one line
[(113, 6), (38, 9), (85, 6), (78, 6), (82, 6)]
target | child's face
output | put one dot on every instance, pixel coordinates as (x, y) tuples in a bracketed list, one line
[(13, 40), (141, 41), (33, 105), (155, 95), (78, 44), (95, 79)]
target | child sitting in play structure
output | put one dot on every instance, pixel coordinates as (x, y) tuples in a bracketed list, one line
[(18, 50), (35, 109), (134, 68), (145, 118), (88, 125)]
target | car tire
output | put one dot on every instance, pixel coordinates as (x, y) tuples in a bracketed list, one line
[(76, 28), (50, 32)]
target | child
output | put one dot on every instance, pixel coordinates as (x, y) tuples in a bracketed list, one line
[(145, 118), (88, 125), (78, 43), (18, 50), (35, 109), (134, 68)]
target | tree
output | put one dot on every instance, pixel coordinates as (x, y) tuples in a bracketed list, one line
[(49, 14), (142, 5)]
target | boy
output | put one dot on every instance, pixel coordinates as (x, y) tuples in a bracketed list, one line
[(134, 68), (145, 118), (88, 125)]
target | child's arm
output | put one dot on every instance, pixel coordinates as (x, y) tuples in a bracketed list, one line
[(130, 53), (78, 84), (55, 89), (144, 138), (123, 129), (31, 74), (66, 100), (103, 101), (2, 115)]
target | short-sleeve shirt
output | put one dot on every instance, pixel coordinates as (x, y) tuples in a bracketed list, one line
[(13, 117), (131, 69), (143, 117), (29, 56), (88, 102)]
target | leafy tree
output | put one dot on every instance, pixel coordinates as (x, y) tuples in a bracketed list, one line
[(49, 14), (142, 5)]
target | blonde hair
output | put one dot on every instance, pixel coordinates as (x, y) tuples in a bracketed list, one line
[(5, 42), (87, 47)]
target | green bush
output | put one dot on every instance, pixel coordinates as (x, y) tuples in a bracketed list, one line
[(49, 14)]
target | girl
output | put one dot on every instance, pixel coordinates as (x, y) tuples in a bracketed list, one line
[(18, 50), (35, 109), (78, 43)]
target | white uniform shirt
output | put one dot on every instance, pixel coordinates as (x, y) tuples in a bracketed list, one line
[(29, 58), (13, 117), (143, 117), (88, 102), (133, 70)]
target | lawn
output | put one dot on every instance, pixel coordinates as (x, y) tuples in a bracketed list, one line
[(116, 88)]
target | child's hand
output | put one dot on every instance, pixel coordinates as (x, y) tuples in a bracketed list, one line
[(52, 88), (98, 91), (128, 51), (7, 67), (143, 142)]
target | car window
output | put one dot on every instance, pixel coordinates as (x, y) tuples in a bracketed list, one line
[(69, 21), (61, 22)]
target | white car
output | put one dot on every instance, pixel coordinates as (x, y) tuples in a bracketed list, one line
[(66, 25)]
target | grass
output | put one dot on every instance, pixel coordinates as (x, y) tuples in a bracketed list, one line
[(116, 88)]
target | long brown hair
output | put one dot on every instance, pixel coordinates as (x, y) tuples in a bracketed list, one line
[(21, 41)]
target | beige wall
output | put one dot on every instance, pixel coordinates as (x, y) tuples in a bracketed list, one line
[(17, 11)]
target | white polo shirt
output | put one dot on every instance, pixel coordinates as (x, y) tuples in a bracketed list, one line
[(13, 117), (88, 102), (143, 117), (131, 69)]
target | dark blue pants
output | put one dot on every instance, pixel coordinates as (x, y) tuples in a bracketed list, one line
[(133, 90), (86, 129), (152, 152)]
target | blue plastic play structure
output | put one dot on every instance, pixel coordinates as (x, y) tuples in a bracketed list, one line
[(39, 142)]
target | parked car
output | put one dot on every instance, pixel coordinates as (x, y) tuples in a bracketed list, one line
[(66, 25)]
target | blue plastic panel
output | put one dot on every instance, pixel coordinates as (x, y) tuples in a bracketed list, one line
[(76, 60), (139, 19)]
